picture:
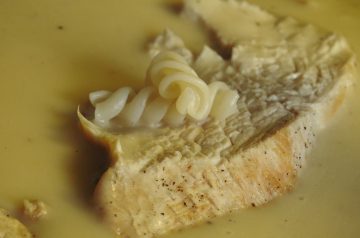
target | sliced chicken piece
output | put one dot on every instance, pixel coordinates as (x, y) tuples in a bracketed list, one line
[(292, 78), (11, 227)]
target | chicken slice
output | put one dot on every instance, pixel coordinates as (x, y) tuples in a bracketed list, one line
[(292, 78), (12, 228)]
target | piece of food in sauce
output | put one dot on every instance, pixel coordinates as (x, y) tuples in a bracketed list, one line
[(34, 209), (292, 78), (174, 94), (11, 227)]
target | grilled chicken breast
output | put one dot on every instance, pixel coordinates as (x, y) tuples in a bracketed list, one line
[(292, 78), (12, 228)]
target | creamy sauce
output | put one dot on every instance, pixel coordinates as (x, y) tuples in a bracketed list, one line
[(53, 53)]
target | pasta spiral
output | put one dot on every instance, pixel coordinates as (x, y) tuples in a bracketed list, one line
[(174, 92)]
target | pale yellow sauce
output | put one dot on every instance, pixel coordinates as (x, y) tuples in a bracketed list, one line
[(53, 53)]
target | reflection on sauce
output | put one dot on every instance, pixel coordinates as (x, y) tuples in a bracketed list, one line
[(53, 53)]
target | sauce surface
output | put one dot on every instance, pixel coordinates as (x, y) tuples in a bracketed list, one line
[(53, 53)]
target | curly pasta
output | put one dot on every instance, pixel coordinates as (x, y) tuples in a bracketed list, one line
[(175, 91)]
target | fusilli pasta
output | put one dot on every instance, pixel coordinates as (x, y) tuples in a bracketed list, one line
[(174, 92)]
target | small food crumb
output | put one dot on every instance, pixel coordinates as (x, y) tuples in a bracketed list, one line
[(34, 209)]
